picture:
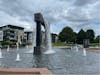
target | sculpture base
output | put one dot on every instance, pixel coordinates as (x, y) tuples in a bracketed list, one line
[(37, 50)]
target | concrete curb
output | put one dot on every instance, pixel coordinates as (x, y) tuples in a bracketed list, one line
[(24, 71)]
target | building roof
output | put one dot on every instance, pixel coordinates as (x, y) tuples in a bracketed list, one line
[(12, 25)]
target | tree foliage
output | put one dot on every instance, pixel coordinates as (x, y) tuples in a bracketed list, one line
[(81, 36), (90, 35), (67, 35), (97, 40)]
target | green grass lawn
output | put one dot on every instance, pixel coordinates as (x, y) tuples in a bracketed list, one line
[(64, 44), (61, 44), (94, 44)]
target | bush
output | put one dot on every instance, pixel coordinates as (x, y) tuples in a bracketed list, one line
[(5, 43)]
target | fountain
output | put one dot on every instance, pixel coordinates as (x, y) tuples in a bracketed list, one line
[(84, 52), (40, 21), (1, 53), (71, 48), (48, 40), (17, 46), (64, 61), (76, 47), (30, 50), (18, 57), (27, 46), (8, 49), (34, 41)]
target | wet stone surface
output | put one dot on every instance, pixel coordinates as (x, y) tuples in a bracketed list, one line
[(62, 62)]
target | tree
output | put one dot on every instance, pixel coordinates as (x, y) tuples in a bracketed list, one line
[(97, 40), (74, 37), (81, 36), (90, 35), (67, 35)]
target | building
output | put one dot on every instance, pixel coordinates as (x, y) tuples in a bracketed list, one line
[(28, 37), (12, 34), (54, 37), (1, 35)]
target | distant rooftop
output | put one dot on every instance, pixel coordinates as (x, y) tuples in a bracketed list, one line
[(25, 29), (12, 25)]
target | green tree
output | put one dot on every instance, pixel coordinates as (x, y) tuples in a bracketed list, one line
[(97, 40), (90, 35), (74, 37), (67, 35), (81, 36)]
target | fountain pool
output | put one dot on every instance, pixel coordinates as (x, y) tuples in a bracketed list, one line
[(64, 61)]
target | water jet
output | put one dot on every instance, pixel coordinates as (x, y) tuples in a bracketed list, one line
[(1, 53), (84, 52), (76, 47), (8, 49), (48, 40), (40, 21), (18, 57)]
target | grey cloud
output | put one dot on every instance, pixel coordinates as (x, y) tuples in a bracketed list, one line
[(14, 8), (77, 11), (80, 2), (84, 2)]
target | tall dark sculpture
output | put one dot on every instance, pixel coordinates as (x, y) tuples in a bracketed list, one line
[(39, 21)]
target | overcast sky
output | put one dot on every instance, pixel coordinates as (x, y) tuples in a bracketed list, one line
[(59, 13)]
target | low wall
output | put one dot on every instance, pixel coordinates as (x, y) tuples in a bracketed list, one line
[(92, 48), (24, 71)]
